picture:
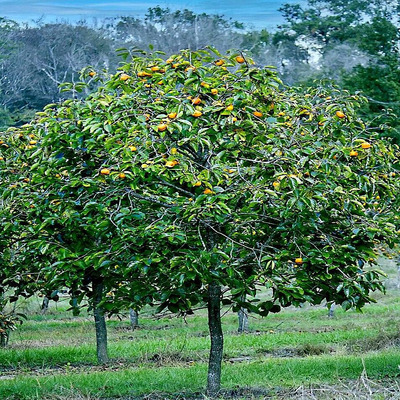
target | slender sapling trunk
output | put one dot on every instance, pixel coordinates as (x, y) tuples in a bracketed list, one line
[(134, 318), (217, 339), (4, 336), (243, 317), (331, 312), (45, 304), (100, 323)]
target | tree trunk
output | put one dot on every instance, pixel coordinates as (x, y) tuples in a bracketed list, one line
[(243, 317), (134, 318), (45, 304), (75, 305), (4, 338), (217, 339), (100, 323), (331, 312)]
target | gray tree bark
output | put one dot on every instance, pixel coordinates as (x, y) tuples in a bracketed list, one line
[(134, 318), (217, 339), (331, 312), (243, 317), (100, 323), (45, 304), (4, 338)]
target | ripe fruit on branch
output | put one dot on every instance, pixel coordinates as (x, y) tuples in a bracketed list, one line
[(171, 164), (105, 171), (162, 127), (239, 59), (353, 153), (124, 77), (143, 74), (298, 260), (208, 191), (258, 114), (340, 114), (366, 145), (172, 115), (197, 114), (196, 100)]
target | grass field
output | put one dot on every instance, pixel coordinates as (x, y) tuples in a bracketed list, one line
[(296, 354)]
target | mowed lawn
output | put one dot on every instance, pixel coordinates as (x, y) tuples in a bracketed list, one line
[(293, 354)]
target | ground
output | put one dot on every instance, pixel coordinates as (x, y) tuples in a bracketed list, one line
[(296, 354)]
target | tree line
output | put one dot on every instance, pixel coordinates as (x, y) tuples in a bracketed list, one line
[(354, 44)]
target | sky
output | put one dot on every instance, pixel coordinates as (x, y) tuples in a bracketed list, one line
[(254, 13)]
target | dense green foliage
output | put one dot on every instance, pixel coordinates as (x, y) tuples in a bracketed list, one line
[(197, 172), (181, 172)]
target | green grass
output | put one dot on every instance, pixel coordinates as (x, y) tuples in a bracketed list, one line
[(267, 373), (141, 345), (52, 356)]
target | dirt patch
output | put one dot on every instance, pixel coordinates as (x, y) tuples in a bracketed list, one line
[(362, 389), (301, 351), (281, 353), (154, 360), (37, 344), (13, 372), (5, 377), (168, 359), (382, 341), (127, 328)]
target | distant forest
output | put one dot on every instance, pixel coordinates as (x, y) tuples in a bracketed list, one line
[(354, 44)]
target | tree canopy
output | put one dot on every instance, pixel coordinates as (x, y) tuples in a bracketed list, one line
[(199, 178)]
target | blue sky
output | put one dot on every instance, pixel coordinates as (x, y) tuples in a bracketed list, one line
[(256, 13)]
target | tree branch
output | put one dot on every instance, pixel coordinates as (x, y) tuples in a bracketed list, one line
[(150, 199), (175, 187)]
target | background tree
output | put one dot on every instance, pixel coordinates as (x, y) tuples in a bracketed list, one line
[(171, 31), (354, 42), (37, 59)]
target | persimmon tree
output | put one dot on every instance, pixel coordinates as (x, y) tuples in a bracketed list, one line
[(201, 179)]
